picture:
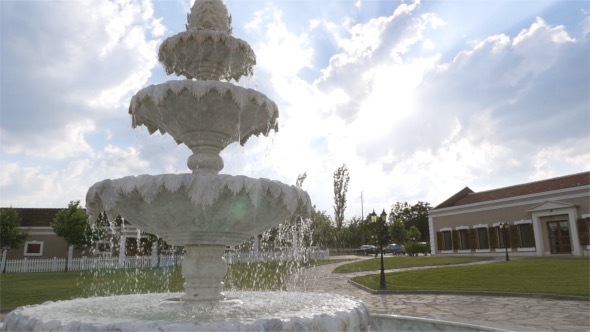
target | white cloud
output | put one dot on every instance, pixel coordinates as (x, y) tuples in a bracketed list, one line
[(413, 112), (27, 186), (571, 154), (280, 52), (68, 68), (69, 142)]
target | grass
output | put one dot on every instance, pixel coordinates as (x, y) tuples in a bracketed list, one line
[(550, 276), (20, 289), (555, 276), (404, 262), (17, 289)]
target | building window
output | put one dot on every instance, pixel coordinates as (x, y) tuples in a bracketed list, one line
[(447, 240), (103, 248), (463, 239), (482, 238), (525, 236), (33, 248)]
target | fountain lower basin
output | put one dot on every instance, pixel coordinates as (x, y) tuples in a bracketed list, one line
[(246, 311), (202, 213)]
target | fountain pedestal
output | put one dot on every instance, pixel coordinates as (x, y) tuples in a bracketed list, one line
[(202, 269)]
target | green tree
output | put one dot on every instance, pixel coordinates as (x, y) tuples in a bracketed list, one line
[(413, 234), (361, 232), (341, 179), (71, 224), (398, 232), (412, 215), (323, 233), (11, 235)]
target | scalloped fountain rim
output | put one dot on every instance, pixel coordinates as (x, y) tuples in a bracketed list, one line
[(242, 57), (241, 97), (203, 190), (243, 311)]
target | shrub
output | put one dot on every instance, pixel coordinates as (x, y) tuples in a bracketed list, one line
[(415, 248)]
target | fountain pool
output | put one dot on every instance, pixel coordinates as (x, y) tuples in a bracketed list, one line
[(243, 311)]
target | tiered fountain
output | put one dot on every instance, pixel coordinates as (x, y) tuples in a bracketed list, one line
[(204, 211)]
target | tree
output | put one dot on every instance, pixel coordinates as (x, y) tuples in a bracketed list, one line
[(71, 224), (398, 232), (11, 235), (361, 231), (323, 233), (412, 215), (341, 179), (300, 179), (413, 234)]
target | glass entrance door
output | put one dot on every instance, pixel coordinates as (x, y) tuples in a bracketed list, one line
[(559, 237)]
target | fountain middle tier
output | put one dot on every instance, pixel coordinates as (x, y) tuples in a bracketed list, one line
[(191, 208), (203, 213)]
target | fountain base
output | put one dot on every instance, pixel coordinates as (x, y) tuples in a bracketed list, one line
[(245, 311)]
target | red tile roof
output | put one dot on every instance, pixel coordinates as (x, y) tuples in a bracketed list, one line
[(563, 182), (36, 217)]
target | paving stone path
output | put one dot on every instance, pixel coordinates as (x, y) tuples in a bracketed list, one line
[(502, 312)]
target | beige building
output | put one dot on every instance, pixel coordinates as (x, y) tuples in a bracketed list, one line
[(543, 218), (44, 243)]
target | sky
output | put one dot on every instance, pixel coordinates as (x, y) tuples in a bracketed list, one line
[(418, 99)]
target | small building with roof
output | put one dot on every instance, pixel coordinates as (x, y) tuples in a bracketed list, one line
[(43, 243), (542, 218)]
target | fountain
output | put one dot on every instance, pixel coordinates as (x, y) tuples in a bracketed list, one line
[(204, 211)]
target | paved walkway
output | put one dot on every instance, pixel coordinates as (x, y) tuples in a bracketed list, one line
[(509, 313)]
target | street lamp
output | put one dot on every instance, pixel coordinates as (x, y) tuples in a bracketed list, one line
[(381, 226), (505, 226)]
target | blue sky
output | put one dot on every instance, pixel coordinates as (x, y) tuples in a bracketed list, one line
[(419, 99)]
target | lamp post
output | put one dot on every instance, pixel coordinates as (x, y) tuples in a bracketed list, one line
[(505, 226), (381, 223)]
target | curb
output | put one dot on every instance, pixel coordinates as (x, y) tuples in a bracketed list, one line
[(469, 293)]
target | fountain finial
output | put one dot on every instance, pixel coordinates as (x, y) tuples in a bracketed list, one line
[(210, 15)]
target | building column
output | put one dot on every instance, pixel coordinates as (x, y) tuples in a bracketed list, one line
[(122, 249), (154, 257), (432, 236), (256, 247), (572, 215), (539, 244)]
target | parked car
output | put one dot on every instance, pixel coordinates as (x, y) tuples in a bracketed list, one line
[(366, 249), (395, 249)]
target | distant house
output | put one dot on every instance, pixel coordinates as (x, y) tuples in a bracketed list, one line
[(44, 243), (544, 218)]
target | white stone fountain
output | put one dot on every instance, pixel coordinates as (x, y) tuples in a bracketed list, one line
[(204, 211)]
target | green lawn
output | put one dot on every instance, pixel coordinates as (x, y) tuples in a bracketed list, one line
[(555, 276), (18, 289), (403, 262), (562, 276)]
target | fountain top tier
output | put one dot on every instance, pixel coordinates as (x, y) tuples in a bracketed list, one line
[(205, 114), (207, 50)]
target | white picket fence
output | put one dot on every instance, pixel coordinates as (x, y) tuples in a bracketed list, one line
[(88, 263), (115, 262), (270, 256)]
